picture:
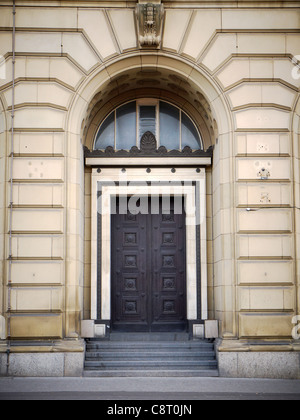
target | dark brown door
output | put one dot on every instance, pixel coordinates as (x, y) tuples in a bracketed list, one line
[(148, 271)]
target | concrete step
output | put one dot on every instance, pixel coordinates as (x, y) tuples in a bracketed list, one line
[(115, 336), (159, 355), (150, 358), (151, 364), (171, 346), (161, 373)]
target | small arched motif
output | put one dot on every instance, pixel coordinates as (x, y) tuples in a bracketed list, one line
[(148, 142)]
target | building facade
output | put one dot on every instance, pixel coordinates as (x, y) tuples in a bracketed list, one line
[(161, 105)]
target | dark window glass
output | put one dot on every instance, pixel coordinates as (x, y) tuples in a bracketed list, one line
[(190, 135), (106, 134), (126, 126), (169, 126)]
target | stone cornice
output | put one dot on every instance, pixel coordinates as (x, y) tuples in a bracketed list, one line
[(166, 3)]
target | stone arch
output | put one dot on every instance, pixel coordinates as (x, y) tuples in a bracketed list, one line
[(161, 76)]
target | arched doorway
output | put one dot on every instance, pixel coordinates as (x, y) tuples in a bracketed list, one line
[(187, 89), (147, 266)]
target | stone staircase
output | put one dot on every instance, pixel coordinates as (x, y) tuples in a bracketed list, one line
[(151, 355)]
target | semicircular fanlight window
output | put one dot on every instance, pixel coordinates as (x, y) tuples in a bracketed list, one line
[(125, 126)]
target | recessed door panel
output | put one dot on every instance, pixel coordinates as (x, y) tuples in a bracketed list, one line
[(148, 271)]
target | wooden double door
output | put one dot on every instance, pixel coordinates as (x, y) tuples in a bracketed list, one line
[(149, 270)]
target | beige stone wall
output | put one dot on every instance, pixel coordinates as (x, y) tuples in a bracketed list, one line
[(296, 153), (2, 215), (241, 61)]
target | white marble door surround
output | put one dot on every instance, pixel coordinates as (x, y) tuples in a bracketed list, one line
[(137, 181)]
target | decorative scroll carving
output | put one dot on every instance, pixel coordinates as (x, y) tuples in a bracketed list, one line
[(149, 24), (130, 307), (130, 284), (169, 283), (148, 149), (130, 261), (168, 238), (130, 238), (168, 261)]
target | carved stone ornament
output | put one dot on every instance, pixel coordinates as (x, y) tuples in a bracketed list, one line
[(148, 148), (149, 24), (148, 143), (264, 173)]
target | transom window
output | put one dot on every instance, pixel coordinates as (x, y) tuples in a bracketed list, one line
[(126, 125)]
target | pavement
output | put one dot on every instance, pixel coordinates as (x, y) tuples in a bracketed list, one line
[(148, 389)]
